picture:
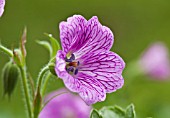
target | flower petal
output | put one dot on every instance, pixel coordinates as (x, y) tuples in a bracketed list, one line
[(155, 61), (87, 86), (99, 38), (64, 105), (91, 90), (70, 30), (106, 67), (81, 36), (2, 4)]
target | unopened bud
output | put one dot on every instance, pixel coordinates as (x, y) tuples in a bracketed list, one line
[(17, 56), (10, 76)]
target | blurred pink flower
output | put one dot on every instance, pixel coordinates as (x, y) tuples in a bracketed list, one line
[(155, 61), (66, 105), (2, 4)]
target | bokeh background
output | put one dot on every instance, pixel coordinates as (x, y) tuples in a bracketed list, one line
[(135, 24)]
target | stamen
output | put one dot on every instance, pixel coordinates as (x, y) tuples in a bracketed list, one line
[(70, 69), (72, 64), (78, 63), (70, 59), (76, 71)]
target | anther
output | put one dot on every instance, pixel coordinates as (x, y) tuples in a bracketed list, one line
[(70, 69), (76, 71)]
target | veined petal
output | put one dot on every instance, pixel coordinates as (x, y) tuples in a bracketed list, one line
[(91, 91), (71, 30), (87, 86), (81, 36), (106, 67), (99, 38), (2, 4)]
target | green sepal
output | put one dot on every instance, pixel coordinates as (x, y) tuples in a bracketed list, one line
[(46, 45), (95, 114), (54, 43), (22, 43)]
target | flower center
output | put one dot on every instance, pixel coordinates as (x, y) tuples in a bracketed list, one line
[(71, 64)]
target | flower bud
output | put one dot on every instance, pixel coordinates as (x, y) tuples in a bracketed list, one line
[(17, 56), (51, 67), (10, 76)]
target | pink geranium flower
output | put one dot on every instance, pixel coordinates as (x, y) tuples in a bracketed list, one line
[(86, 64), (2, 5), (65, 105), (155, 61)]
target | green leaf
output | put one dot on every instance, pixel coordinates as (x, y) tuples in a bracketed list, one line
[(54, 43), (130, 112), (112, 112), (95, 114), (46, 45)]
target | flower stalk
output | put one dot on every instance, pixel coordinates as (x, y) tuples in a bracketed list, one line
[(26, 89), (6, 51), (38, 96)]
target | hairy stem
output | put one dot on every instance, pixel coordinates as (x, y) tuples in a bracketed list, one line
[(45, 83), (26, 90), (38, 97), (40, 77)]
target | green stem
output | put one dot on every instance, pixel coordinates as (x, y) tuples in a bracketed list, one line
[(6, 50), (40, 77), (45, 82), (26, 92), (38, 97)]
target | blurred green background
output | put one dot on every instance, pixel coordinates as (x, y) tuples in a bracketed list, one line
[(135, 24)]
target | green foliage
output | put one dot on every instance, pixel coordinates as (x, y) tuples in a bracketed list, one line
[(95, 114), (130, 112), (52, 47), (114, 112)]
